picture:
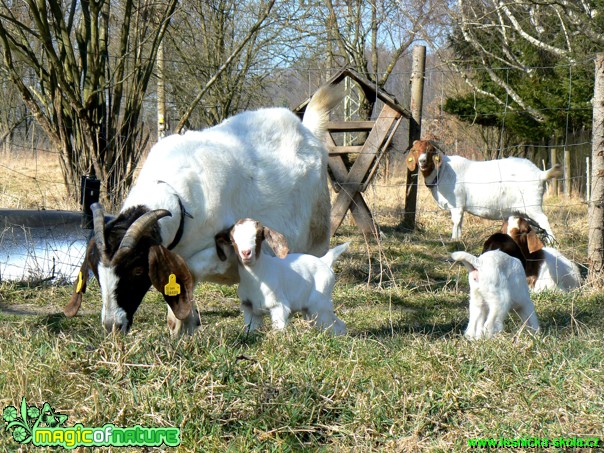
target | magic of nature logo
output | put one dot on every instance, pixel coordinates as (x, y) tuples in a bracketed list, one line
[(45, 428)]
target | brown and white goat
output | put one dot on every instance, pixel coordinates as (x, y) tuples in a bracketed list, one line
[(492, 189), (266, 163), (546, 267), (280, 285)]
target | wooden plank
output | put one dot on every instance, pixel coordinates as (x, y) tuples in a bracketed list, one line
[(383, 150), (362, 216), (375, 140), (336, 164), (354, 180), (350, 126), (334, 150), (360, 213)]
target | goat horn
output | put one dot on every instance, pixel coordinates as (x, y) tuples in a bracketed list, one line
[(98, 219), (138, 227)]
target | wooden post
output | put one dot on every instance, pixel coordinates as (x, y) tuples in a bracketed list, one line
[(567, 179), (595, 213), (587, 181), (553, 187), (415, 130)]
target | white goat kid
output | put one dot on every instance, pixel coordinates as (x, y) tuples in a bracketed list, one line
[(280, 285), (497, 285), (492, 189)]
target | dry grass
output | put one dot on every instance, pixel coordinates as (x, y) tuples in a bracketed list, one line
[(403, 379), (33, 180)]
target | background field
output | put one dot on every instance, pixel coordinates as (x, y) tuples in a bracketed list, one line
[(403, 379)]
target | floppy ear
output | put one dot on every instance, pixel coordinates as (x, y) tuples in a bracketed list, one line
[(412, 157), (437, 158), (504, 227), (170, 275), (276, 241), (533, 242), (223, 243), (91, 262), (437, 154)]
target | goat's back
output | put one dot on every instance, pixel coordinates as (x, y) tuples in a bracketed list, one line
[(492, 189), (263, 164), (557, 272)]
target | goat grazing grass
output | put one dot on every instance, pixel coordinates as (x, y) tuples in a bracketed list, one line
[(402, 379)]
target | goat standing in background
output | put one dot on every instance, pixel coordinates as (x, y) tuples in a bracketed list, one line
[(492, 189), (280, 285), (497, 285)]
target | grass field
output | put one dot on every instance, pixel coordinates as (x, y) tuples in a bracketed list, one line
[(402, 379)]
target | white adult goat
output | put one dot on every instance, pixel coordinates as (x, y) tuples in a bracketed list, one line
[(493, 189), (267, 164)]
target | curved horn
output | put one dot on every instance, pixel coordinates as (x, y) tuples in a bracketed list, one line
[(98, 219), (138, 227)]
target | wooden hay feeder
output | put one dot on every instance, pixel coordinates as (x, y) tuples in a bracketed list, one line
[(350, 181)]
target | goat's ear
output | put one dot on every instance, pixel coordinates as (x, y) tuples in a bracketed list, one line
[(412, 157), (436, 152), (170, 275), (91, 262), (438, 159), (533, 242), (223, 243), (276, 241), (504, 227)]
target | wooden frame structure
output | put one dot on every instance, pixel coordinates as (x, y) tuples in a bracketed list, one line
[(350, 182)]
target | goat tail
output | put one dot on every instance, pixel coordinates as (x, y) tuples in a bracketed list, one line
[(316, 115), (333, 254), (470, 261), (554, 172)]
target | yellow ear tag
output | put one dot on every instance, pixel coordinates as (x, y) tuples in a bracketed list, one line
[(410, 159), (80, 283), (172, 288), (436, 158)]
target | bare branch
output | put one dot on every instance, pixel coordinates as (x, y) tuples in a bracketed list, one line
[(250, 34)]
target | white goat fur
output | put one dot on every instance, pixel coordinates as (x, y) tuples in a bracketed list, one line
[(267, 164), (497, 285), (493, 189), (556, 270), (283, 286)]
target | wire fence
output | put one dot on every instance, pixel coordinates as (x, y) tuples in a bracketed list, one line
[(29, 158)]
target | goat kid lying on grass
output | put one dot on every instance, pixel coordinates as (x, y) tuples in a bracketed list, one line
[(280, 285), (546, 267), (492, 189), (497, 285)]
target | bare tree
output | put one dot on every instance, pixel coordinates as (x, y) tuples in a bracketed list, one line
[(371, 37), (223, 52), (91, 62), (516, 34), (595, 247)]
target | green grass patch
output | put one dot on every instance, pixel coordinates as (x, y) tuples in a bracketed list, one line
[(402, 379)]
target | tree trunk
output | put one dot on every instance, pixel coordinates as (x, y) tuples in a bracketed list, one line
[(595, 248)]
